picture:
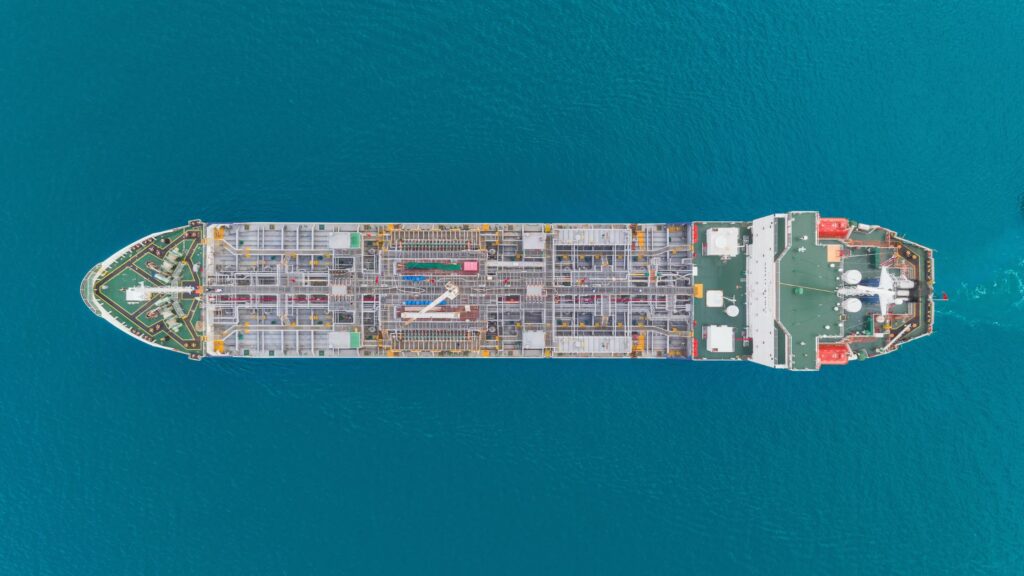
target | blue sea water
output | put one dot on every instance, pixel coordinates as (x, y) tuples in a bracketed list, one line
[(119, 118)]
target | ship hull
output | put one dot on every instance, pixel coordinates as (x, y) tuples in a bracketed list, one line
[(766, 290)]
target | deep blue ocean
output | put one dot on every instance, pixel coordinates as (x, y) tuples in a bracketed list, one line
[(120, 118)]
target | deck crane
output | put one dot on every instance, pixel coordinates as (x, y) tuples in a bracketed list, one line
[(451, 291)]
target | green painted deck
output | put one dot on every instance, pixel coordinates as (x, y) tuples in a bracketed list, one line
[(130, 269), (807, 292), (729, 276)]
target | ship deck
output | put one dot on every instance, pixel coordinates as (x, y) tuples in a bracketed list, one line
[(774, 290), (811, 312), (105, 290), (524, 290), (727, 276)]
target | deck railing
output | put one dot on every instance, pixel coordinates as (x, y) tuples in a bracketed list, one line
[(86, 290)]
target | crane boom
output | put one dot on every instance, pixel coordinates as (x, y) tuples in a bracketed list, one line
[(451, 291)]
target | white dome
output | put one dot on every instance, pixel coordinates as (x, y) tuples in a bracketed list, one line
[(852, 305), (852, 277)]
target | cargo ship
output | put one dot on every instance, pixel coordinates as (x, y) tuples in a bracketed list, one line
[(792, 290)]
